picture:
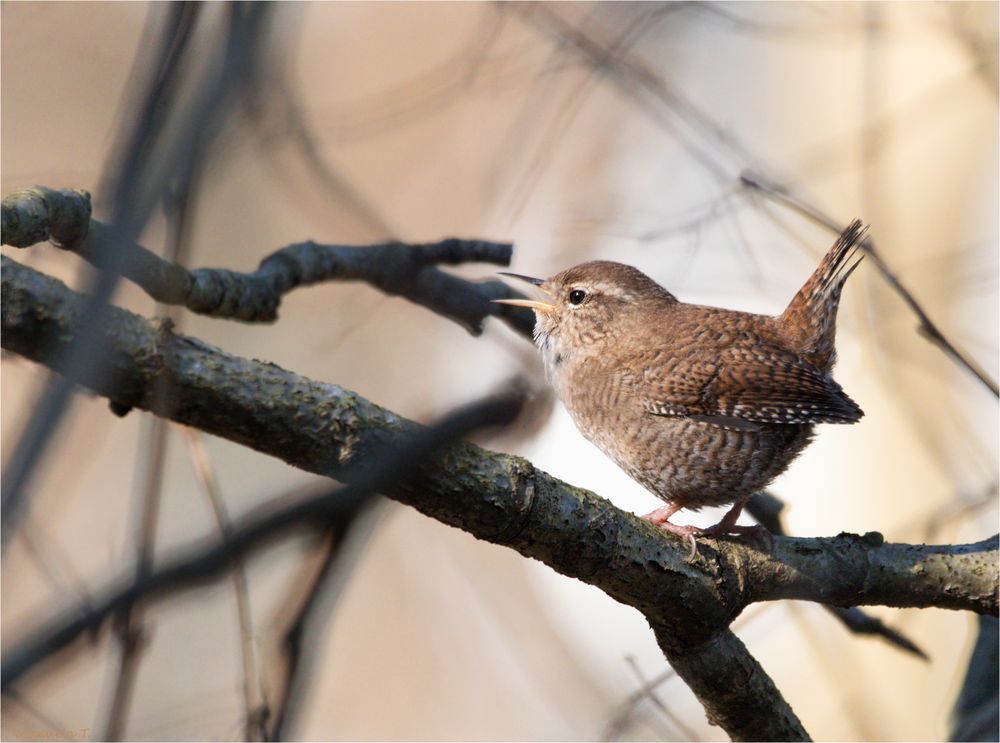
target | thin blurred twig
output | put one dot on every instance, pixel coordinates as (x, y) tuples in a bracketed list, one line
[(622, 718), (394, 460), (160, 146), (277, 107), (429, 92), (715, 147), (254, 699), (957, 508), (546, 145), (619, 721), (128, 625), (52, 562), (705, 140), (649, 689), (292, 645), (976, 712), (342, 546), (178, 205), (926, 327)]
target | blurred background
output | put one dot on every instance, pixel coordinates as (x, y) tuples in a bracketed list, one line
[(577, 131)]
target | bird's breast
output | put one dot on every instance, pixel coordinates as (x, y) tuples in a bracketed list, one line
[(678, 458)]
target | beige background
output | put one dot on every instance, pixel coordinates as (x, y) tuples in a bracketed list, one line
[(467, 119)]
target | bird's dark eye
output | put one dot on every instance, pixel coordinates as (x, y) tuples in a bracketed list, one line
[(577, 296)]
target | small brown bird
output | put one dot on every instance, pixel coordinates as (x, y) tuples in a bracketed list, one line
[(702, 406)]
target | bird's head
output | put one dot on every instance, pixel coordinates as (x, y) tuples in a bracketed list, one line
[(589, 304)]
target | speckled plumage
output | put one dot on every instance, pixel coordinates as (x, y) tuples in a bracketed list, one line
[(702, 406)]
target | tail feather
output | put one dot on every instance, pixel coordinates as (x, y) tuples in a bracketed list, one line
[(809, 321), (843, 258)]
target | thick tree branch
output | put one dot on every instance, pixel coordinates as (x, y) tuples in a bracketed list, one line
[(325, 429), (63, 216), (839, 571), (730, 683), (766, 509)]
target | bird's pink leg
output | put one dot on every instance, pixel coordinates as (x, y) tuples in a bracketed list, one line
[(661, 518), (728, 525)]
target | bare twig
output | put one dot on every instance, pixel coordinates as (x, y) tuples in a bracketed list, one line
[(702, 137), (342, 549), (620, 721), (559, 123), (159, 148), (52, 562), (128, 625), (428, 92), (280, 109), (650, 693), (907, 575), (254, 700), (332, 541), (960, 506), (178, 205), (926, 327), (862, 623), (617, 725), (977, 710), (409, 271)]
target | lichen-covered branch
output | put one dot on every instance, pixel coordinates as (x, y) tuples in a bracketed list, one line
[(851, 572), (36, 214), (323, 428), (766, 508), (730, 684)]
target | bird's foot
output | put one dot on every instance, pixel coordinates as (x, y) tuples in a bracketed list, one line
[(661, 518), (728, 525), (661, 515)]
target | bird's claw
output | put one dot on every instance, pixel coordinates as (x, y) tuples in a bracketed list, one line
[(660, 517)]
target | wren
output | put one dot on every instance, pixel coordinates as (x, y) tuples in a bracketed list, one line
[(702, 406)]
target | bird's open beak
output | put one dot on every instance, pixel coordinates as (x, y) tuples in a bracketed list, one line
[(533, 304), (521, 277)]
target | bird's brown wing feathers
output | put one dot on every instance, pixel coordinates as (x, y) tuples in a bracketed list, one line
[(762, 384)]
